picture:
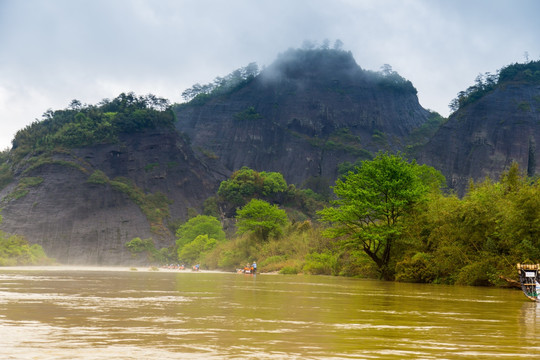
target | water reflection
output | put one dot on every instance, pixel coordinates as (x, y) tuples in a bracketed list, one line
[(133, 315)]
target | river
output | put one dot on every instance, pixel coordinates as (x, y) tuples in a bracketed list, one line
[(91, 313)]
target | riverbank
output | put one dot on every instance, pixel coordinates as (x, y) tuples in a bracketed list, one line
[(104, 268)]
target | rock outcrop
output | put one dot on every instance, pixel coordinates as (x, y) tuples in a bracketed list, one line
[(483, 138), (302, 116), (78, 220)]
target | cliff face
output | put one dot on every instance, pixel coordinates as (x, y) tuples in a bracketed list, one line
[(302, 116), (483, 138), (80, 221)]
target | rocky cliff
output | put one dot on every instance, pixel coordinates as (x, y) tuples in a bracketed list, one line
[(302, 116), (497, 123), (85, 204)]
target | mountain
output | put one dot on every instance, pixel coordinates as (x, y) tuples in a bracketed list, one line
[(496, 122), (85, 180), (302, 116)]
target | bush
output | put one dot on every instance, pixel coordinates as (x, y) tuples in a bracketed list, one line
[(476, 274), (98, 177), (138, 245), (417, 269), (15, 250), (196, 226), (196, 249), (321, 264)]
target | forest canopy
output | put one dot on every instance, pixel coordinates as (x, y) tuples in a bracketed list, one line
[(528, 73), (81, 125)]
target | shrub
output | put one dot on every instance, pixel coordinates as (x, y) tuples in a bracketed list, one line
[(417, 269), (195, 250), (324, 263), (98, 177), (15, 250)]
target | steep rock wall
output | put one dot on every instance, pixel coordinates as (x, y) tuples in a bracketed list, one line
[(80, 222), (484, 138), (303, 118)]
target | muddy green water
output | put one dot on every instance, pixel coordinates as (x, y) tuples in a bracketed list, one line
[(98, 314)]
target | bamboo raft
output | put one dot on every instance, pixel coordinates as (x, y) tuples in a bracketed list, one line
[(529, 276)]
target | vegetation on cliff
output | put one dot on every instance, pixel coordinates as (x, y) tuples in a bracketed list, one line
[(528, 73), (15, 250), (309, 62), (198, 93), (82, 125), (155, 205)]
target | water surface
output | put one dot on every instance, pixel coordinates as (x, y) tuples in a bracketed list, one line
[(89, 313)]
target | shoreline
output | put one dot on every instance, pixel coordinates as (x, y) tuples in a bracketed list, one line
[(104, 268)]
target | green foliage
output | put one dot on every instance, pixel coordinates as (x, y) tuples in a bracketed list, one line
[(15, 250), (421, 135), (232, 254), (85, 125), (341, 140), (289, 270), (98, 177), (325, 263), (371, 204), (211, 207), (418, 268), (23, 186), (34, 162), (273, 183), (193, 251), (528, 73), (155, 206), (261, 218), (389, 79), (6, 175), (199, 94), (138, 245), (199, 225), (250, 114), (303, 204), (477, 239), (521, 73), (150, 167), (246, 184), (146, 247)]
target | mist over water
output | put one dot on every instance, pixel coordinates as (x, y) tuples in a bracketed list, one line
[(108, 313)]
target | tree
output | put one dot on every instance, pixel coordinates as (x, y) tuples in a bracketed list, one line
[(193, 251), (246, 184), (338, 45), (199, 225), (261, 218), (371, 204)]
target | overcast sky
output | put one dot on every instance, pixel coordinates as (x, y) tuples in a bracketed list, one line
[(54, 51)]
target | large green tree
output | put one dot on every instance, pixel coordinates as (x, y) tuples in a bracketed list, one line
[(260, 217), (199, 225), (371, 203), (247, 183)]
